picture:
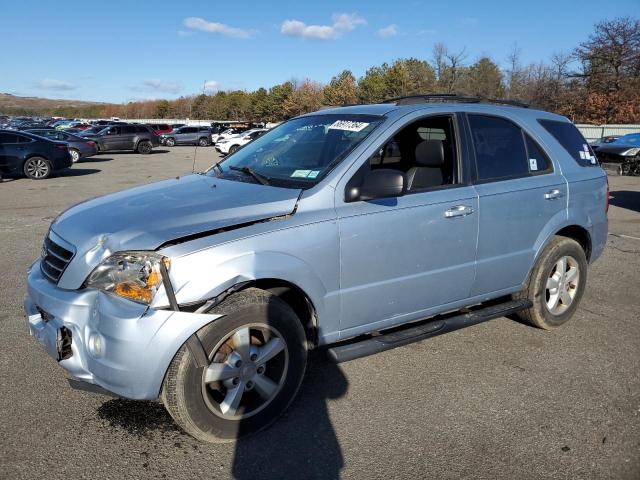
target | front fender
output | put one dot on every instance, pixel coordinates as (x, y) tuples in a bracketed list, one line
[(204, 275)]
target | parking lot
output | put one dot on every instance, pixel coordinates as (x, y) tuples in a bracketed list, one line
[(498, 400)]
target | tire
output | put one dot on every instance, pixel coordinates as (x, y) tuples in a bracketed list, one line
[(75, 155), (233, 149), (37, 168), (198, 407), (203, 142), (170, 142), (144, 147), (546, 285)]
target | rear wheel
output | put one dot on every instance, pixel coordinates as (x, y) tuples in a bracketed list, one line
[(256, 360), (144, 147), (170, 142), (75, 155), (233, 149), (37, 168), (556, 284), (203, 142)]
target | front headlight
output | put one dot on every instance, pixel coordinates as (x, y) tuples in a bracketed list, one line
[(132, 275), (631, 152)]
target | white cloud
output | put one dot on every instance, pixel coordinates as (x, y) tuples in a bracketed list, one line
[(427, 31), (388, 31), (157, 85), (211, 86), (197, 23), (58, 85), (342, 23)]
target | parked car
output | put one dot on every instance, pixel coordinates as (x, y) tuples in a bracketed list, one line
[(160, 128), (208, 290), (90, 131), (139, 138), (187, 136), (606, 139), (624, 151), (231, 144), (35, 157), (29, 125), (79, 147), (228, 133)]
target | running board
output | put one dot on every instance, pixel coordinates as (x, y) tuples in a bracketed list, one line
[(410, 334)]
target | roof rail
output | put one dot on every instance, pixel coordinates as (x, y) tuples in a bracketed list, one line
[(451, 97)]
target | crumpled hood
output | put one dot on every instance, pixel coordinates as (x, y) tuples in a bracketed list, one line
[(144, 218)]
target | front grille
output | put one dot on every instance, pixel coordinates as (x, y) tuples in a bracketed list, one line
[(54, 260)]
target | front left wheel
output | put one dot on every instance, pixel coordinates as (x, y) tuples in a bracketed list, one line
[(75, 155), (256, 358)]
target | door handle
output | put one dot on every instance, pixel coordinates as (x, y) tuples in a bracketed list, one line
[(553, 194), (458, 211)]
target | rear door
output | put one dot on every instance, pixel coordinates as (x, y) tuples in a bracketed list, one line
[(519, 194), (9, 151), (187, 135), (128, 137)]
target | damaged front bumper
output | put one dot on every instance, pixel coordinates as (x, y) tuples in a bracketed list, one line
[(101, 339)]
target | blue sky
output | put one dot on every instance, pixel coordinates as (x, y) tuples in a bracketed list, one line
[(124, 50)]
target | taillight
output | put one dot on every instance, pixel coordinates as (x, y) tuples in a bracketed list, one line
[(91, 143)]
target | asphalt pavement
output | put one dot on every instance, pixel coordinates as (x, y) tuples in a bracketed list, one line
[(500, 400)]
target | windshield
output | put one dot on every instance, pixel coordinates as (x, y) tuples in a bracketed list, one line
[(299, 152), (631, 139)]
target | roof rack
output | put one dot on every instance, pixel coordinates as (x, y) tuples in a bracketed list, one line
[(451, 97)]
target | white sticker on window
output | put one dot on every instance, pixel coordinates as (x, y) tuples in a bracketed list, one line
[(348, 125), (585, 147), (300, 173), (533, 164), (313, 173), (593, 160), (583, 155)]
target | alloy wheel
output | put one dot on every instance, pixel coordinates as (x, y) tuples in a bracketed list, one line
[(562, 285), (247, 370)]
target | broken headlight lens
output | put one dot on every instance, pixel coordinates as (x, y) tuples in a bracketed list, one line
[(132, 275)]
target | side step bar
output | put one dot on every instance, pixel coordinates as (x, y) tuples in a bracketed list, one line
[(410, 334)]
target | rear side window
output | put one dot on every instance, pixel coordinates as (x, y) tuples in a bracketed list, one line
[(500, 148), (129, 129), (538, 160), (8, 138), (571, 140), (163, 126)]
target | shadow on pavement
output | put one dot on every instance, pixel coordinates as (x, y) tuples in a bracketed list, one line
[(625, 199), (76, 172), (302, 443)]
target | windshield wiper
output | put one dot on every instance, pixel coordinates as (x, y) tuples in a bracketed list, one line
[(248, 171)]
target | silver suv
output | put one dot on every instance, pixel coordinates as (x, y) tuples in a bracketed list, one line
[(358, 229)]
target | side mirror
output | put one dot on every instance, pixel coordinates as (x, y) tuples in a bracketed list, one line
[(383, 183)]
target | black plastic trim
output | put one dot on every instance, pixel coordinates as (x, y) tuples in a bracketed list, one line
[(415, 333)]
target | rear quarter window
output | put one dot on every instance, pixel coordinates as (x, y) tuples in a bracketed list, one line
[(571, 140)]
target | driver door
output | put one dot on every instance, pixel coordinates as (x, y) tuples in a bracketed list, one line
[(111, 138), (408, 257)]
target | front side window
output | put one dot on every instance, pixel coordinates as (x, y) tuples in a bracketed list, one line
[(298, 153), (499, 147), (424, 151)]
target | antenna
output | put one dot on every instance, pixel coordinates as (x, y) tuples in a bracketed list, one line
[(195, 151)]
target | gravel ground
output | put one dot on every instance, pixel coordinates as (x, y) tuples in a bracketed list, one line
[(498, 400)]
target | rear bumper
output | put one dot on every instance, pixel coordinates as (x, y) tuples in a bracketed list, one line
[(119, 345)]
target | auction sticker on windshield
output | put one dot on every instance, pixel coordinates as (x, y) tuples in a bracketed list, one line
[(348, 125)]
